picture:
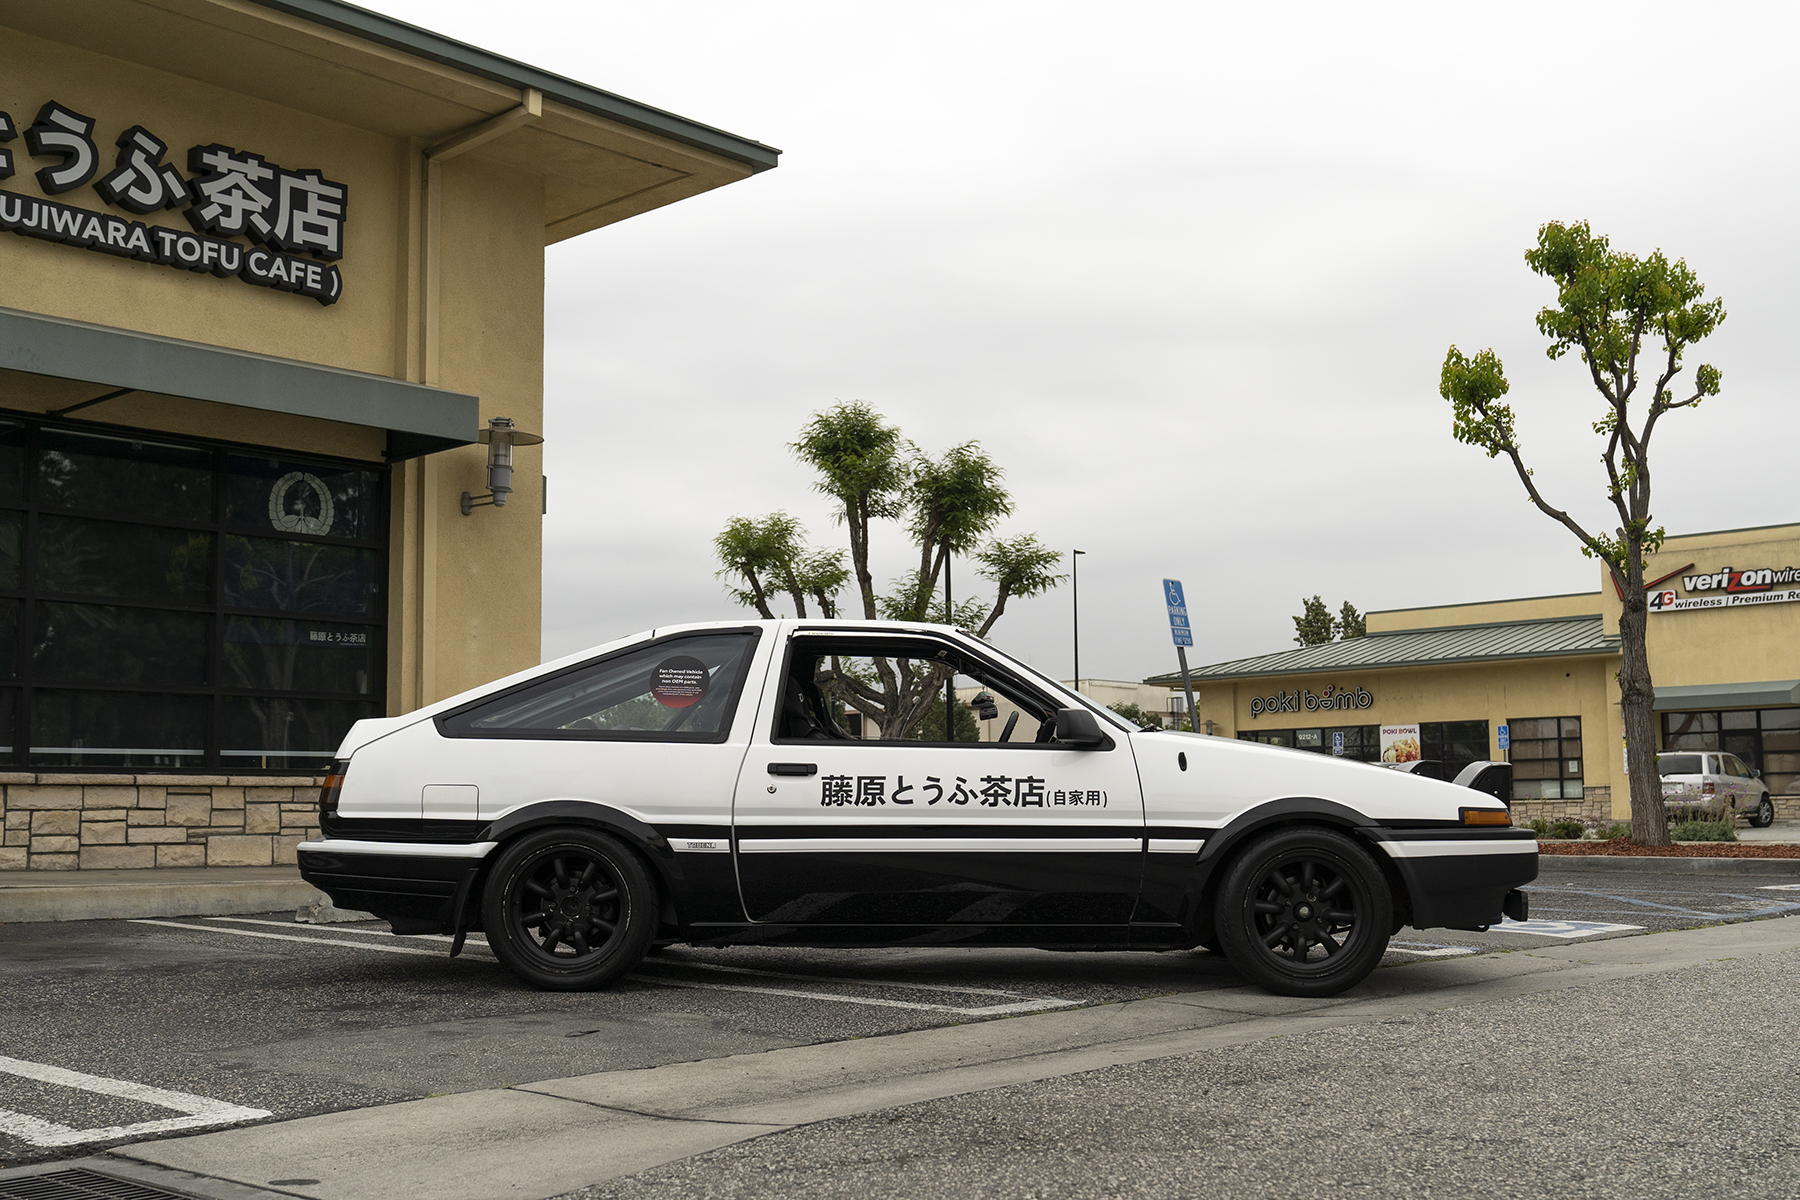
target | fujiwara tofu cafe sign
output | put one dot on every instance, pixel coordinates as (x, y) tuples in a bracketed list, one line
[(230, 193)]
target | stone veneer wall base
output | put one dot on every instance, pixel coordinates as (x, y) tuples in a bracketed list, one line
[(63, 822)]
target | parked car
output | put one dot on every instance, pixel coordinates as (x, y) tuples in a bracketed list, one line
[(698, 784), (1713, 785)]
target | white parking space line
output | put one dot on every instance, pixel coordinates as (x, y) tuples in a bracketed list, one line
[(288, 937), (1021, 1005), (1430, 949), (1562, 929), (992, 1010), (1779, 887), (197, 1112), (475, 942), (878, 983)]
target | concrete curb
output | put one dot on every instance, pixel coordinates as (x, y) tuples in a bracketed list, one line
[(127, 894), (1651, 864)]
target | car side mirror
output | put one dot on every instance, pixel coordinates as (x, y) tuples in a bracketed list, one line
[(1755, 773), (1078, 727)]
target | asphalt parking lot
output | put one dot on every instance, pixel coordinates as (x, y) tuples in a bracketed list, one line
[(120, 1030)]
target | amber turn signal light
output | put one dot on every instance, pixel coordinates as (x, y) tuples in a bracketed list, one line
[(329, 790), (1486, 816)]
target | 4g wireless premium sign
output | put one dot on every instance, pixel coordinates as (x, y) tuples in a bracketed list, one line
[(1731, 588)]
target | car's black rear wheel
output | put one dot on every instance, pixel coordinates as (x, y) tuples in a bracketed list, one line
[(1765, 813), (569, 909), (1304, 912)]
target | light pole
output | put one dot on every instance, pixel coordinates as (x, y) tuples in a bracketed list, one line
[(1075, 585)]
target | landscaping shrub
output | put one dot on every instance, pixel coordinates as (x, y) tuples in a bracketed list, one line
[(1704, 831), (1615, 831), (1567, 829)]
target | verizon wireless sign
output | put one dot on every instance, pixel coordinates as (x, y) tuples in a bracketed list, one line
[(1731, 588)]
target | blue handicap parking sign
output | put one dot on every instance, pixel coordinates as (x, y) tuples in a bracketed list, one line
[(1178, 613), (1337, 742), (1505, 737)]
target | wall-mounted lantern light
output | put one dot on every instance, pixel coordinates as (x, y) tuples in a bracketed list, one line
[(500, 438)]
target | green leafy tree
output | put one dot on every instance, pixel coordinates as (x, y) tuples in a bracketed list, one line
[(949, 505), (1350, 623), (1137, 716), (1313, 626), (931, 727), (1607, 304)]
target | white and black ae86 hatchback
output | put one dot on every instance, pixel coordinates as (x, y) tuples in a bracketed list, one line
[(697, 784)]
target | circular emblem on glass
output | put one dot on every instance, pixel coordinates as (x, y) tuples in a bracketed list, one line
[(292, 501)]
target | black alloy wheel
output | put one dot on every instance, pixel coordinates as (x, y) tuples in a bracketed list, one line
[(1765, 813), (1304, 912), (569, 909)]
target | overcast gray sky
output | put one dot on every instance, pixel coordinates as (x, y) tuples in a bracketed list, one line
[(1188, 271)]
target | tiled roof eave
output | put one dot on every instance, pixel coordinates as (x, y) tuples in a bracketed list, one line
[(1605, 649)]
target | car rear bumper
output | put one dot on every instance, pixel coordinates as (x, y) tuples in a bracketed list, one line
[(419, 884), (1462, 882)]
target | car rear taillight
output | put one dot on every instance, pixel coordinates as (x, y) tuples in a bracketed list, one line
[(1706, 789), (332, 788)]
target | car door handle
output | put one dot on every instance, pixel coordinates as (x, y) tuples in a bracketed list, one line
[(793, 768)]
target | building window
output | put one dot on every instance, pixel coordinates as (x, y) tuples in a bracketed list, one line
[(1766, 739), (1362, 743), (1546, 758), (172, 604), (1456, 744)]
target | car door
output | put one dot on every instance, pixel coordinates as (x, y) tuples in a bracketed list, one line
[(835, 830)]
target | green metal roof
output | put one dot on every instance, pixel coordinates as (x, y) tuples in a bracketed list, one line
[(1768, 694), (398, 35), (1496, 642)]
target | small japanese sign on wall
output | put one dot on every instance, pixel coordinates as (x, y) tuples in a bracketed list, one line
[(227, 193)]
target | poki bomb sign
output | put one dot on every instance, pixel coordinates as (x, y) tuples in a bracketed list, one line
[(1334, 698), (231, 193)]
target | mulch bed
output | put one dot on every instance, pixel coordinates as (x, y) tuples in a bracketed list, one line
[(1627, 847)]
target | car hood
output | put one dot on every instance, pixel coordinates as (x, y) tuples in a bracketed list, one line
[(1227, 777)]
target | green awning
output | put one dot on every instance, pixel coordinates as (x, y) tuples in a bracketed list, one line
[(417, 419), (1769, 694)]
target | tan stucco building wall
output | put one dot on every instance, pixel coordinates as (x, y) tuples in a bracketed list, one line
[(1705, 651)]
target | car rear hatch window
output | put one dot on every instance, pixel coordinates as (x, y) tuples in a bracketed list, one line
[(1678, 764)]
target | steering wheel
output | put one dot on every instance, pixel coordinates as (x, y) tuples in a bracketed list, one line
[(1011, 723)]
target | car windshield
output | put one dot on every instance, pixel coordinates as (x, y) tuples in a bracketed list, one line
[(1678, 764)]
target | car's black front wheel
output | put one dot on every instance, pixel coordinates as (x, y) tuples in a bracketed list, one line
[(569, 909), (1304, 912), (1765, 813)]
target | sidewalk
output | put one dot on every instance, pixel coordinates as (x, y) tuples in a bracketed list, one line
[(169, 892)]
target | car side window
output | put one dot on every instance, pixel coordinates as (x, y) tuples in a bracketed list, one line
[(1735, 767), (839, 689), (679, 690)]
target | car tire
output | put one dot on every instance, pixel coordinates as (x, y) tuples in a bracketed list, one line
[(569, 909), (1272, 919), (1765, 813)]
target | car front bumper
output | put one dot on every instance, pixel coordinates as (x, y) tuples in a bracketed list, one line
[(1463, 881)]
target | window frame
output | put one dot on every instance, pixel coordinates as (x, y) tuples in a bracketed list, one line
[(27, 686), (723, 734), (1562, 777), (869, 641)]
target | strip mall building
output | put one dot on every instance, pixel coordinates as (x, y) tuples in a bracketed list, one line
[(1441, 682), (268, 269)]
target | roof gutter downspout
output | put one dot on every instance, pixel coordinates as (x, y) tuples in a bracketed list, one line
[(421, 486)]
